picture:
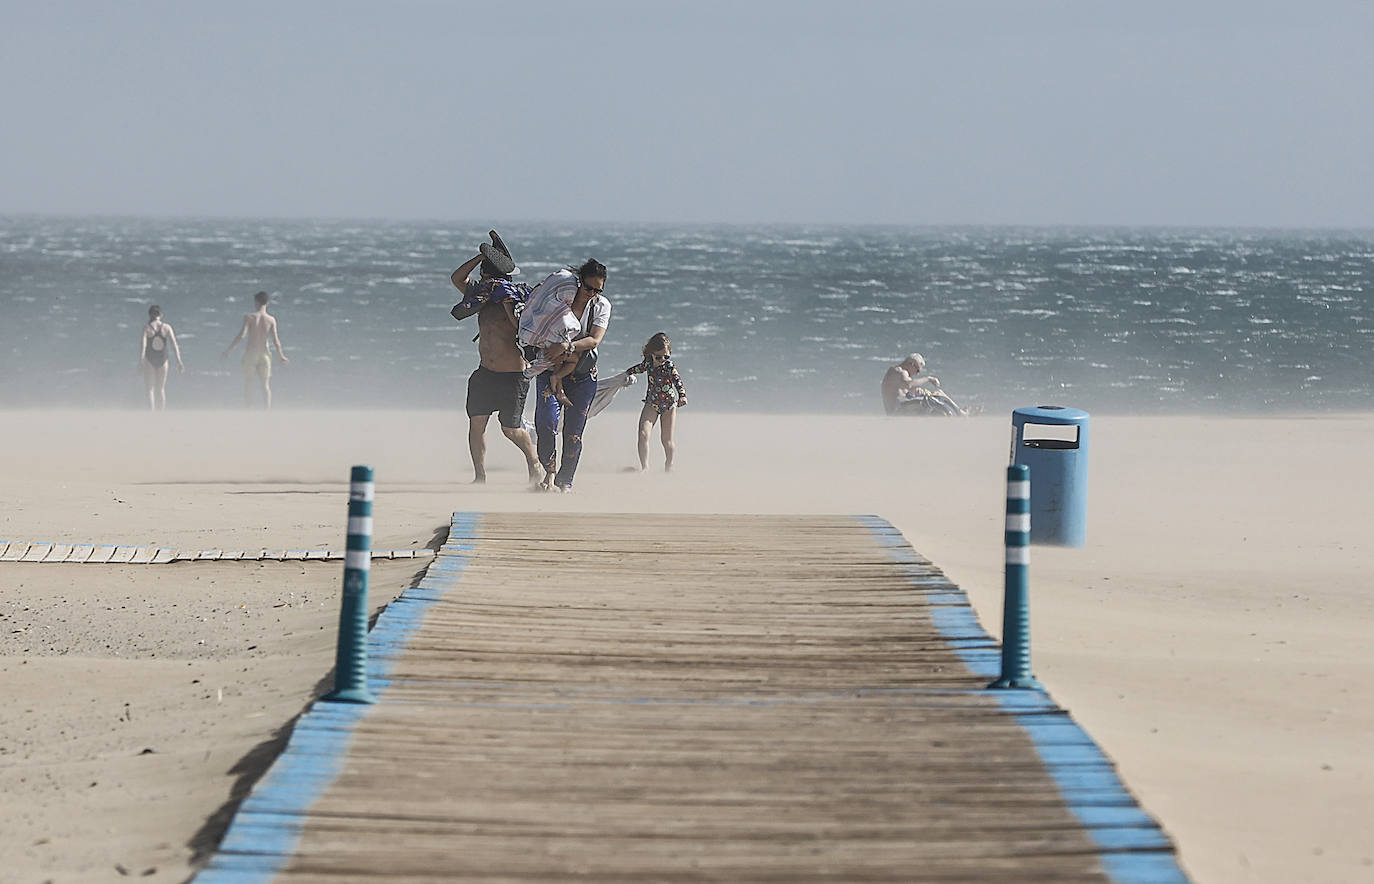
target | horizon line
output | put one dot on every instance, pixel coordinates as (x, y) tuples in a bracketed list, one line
[(902, 225)]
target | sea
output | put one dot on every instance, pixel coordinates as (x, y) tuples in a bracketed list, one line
[(775, 319)]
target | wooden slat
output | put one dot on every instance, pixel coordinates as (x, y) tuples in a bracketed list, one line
[(81, 553), (58, 553), (143, 555), (36, 552), (123, 555)]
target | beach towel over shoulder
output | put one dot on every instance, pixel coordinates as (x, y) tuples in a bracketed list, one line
[(490, 291)]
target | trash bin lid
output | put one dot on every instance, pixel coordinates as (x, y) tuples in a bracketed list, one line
[(1049, 414)]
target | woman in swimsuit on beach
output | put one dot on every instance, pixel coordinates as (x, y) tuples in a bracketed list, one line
[(153, 346)]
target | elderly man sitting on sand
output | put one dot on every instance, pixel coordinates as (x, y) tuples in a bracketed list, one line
[(904, 392)]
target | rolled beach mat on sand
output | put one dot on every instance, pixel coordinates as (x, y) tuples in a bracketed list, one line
[(496, 258), (497, 254)]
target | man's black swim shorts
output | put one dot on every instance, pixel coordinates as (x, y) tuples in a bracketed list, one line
[(498, 391)]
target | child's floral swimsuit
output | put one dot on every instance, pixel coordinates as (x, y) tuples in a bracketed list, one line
[(665, 384)]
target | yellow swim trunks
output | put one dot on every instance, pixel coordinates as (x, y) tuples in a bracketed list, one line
[(259, 364)]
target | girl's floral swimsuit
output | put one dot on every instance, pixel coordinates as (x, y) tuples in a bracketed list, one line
[(665, 384)]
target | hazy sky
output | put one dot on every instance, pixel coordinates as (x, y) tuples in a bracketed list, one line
[(1016, 112)]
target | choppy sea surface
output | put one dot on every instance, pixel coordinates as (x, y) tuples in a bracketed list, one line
[(773, 319)]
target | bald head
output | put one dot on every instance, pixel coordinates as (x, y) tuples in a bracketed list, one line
[(914, 362)]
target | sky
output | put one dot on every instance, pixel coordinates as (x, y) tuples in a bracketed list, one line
[(1025, 112)]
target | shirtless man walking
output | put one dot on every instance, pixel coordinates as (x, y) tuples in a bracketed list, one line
[(499, 384), (258, 327)]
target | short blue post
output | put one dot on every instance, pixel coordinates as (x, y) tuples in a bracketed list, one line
[(1016, 671), (350, 660)]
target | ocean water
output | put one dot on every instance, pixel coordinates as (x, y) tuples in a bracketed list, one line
[(773, 319)]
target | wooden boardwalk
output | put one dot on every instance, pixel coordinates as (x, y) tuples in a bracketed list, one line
[(687, 698)]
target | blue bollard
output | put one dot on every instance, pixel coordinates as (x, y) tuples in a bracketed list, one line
[(350, 659), (1016, 671)]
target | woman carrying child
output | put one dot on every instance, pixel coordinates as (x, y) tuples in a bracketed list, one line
[(592, 313), (663, 397)]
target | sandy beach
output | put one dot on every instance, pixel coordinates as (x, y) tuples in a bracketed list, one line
[(1211, 636)]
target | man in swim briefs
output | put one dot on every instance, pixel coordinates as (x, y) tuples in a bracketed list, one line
[(258, 327)]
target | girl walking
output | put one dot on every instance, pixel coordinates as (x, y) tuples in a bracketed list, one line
[(662, 399)]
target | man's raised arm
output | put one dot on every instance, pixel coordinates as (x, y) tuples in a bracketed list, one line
[(460, 282), (460, 276)]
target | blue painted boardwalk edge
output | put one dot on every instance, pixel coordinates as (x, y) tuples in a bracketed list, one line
[(1134, 850), (267, 826)]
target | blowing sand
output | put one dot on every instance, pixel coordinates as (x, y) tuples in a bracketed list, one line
[(1212, 636)]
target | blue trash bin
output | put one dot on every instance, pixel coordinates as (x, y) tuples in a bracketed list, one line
[(1053, 441)]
